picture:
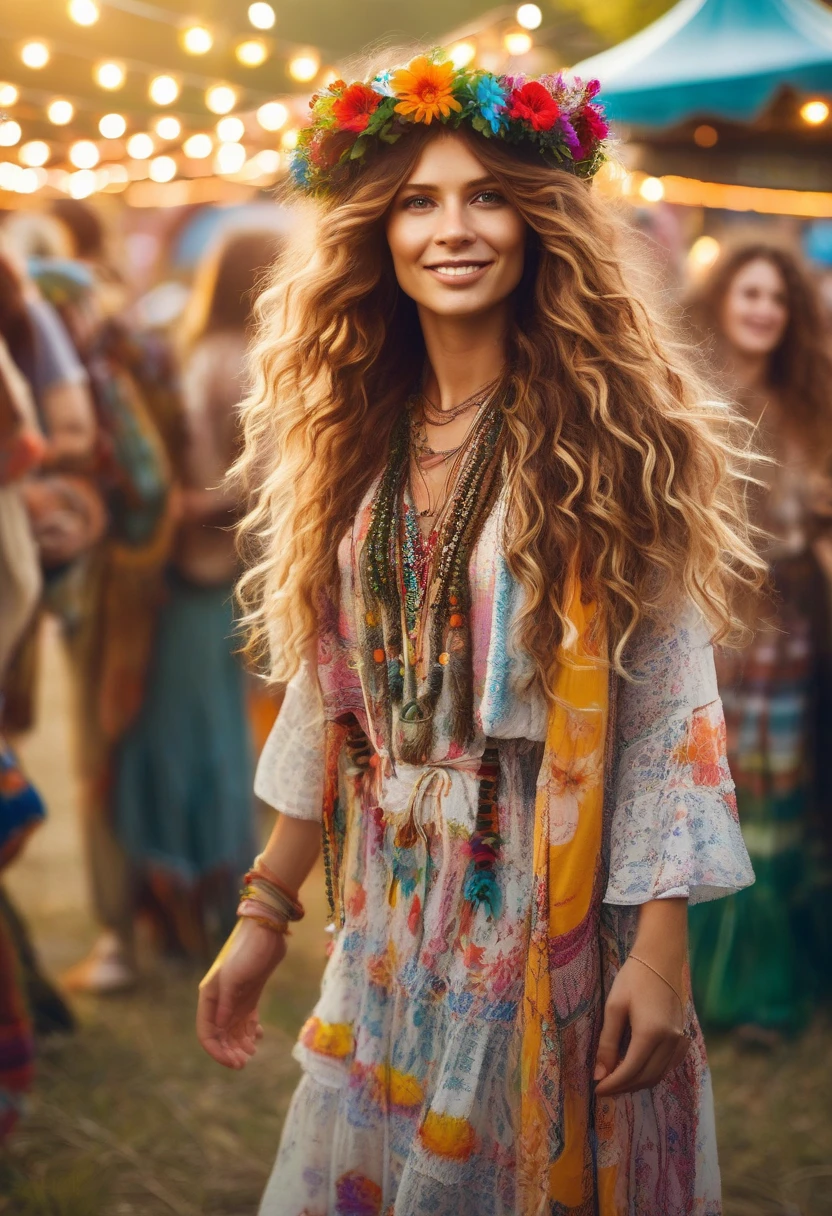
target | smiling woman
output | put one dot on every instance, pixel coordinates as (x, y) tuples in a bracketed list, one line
[(484, 491)]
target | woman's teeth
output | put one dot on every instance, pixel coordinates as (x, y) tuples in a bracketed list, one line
[(457, 270)]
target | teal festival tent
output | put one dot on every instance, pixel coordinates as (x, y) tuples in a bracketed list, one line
[(723, 59)]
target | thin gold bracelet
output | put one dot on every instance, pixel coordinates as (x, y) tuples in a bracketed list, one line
[(636, 959)]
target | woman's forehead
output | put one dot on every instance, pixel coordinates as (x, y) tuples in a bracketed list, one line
[(445, 159)]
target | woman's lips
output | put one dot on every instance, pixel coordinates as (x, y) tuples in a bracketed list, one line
[(459, 274)]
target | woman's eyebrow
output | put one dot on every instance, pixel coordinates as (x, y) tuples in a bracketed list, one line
[(430, 188)]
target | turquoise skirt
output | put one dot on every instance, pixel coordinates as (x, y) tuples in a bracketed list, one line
[(183, 774)]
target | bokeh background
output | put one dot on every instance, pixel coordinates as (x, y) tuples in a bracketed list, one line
[(174, 122)]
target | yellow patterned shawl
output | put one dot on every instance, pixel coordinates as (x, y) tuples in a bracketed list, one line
[(563, 996)]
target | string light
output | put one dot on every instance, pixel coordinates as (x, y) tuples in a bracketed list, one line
[(109, 75), (112, 126), (9, 175), (84, 154), (289, 139), (230, 130), (34, 153), (462, 54), (162, 169), (8, 94), (272, 116), (10, 133), (163, 90), (261, 16), (167, 127), (529, 16), (30, 180), (84, 12), (252, 52), (267, 161), (303, 67), (814, 112), (140, 146), (518, 42), (35, 54), (220, 98), (198, 146), (652, 190), (60, 112), (230, 158), (82, 184), (705, 136), (197, 40), (704, 252)]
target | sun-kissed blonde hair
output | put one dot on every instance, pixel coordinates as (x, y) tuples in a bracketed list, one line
[(614, 451)]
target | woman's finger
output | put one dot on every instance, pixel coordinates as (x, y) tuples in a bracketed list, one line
[(653, 1069), (639, 1054), (609, 1044)]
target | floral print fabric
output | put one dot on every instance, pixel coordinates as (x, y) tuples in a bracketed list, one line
[(410, 1098)]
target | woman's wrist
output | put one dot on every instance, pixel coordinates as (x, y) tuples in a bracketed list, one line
[(662, 938)]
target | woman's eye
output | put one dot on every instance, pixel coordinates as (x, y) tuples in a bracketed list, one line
[(417, 203), (489, 196)]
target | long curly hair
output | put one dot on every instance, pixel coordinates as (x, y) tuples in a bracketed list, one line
[(800, 368), (615, 456)]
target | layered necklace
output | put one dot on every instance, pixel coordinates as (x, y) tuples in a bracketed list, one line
[(408, 661)]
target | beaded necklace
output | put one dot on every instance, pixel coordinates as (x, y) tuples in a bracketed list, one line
[(406, 675)]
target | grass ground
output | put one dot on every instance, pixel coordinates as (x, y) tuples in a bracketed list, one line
[(129, 1118)]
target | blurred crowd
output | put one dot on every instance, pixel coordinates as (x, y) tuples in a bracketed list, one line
[(116, 520)]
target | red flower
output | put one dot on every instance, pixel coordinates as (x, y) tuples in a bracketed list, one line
[(591, 127), (353, 108), (534, 104), (327, 147)]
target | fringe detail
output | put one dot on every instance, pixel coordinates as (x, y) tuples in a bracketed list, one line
[(480, 886)]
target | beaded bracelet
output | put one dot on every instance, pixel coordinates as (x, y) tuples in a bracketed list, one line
[(260, 889), (260, 870)]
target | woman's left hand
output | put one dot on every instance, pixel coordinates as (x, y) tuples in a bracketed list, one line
[(658, 1043)]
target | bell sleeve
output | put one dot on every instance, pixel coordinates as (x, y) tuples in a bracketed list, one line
[(674, 828), (290, 773)]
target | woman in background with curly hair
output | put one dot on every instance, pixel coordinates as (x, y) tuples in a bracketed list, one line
[(493, 530), (758, 960)]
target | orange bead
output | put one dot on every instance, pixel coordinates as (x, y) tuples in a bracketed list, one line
[(378, 655), (371, 619), (454, 600), (455, 621), (444, 658)]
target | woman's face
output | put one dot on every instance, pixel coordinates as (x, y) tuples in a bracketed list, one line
[(458, 245), (756, 312)]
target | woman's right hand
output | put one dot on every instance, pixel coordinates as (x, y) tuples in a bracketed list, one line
[(227, 1022)]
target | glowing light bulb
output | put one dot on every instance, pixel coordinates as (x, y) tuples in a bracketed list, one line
[(289, 139), (704, 251), (84, 12), (30, 180), (82, 184), (220, 98), (652, 189), (814, 112), (162, 169), (198, 146), (705, 136), (303, 67), (35, 54), (267, 161), (529, 16), (34, 153), (167, 127), (84, 154), (230, 158), (60, 112), (163, 90), (197, 40), (8, 94), (112, 126), (109, 75), (10, 133), (230, 130), (462, 54), (9, 175), (518, 42), (140, 146), (252, 53), (261, 16), (272, 116)]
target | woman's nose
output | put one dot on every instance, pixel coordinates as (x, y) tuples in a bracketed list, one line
[(454, 227)]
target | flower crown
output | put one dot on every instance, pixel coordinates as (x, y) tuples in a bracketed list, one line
[(557, 115)]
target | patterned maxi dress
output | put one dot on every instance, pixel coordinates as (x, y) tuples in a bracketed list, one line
[(409, 1102)]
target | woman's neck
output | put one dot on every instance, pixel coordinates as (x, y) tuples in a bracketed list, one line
[(464, 353), (750, 372)]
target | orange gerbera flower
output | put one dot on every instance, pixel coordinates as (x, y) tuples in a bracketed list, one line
[(425, 90)]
